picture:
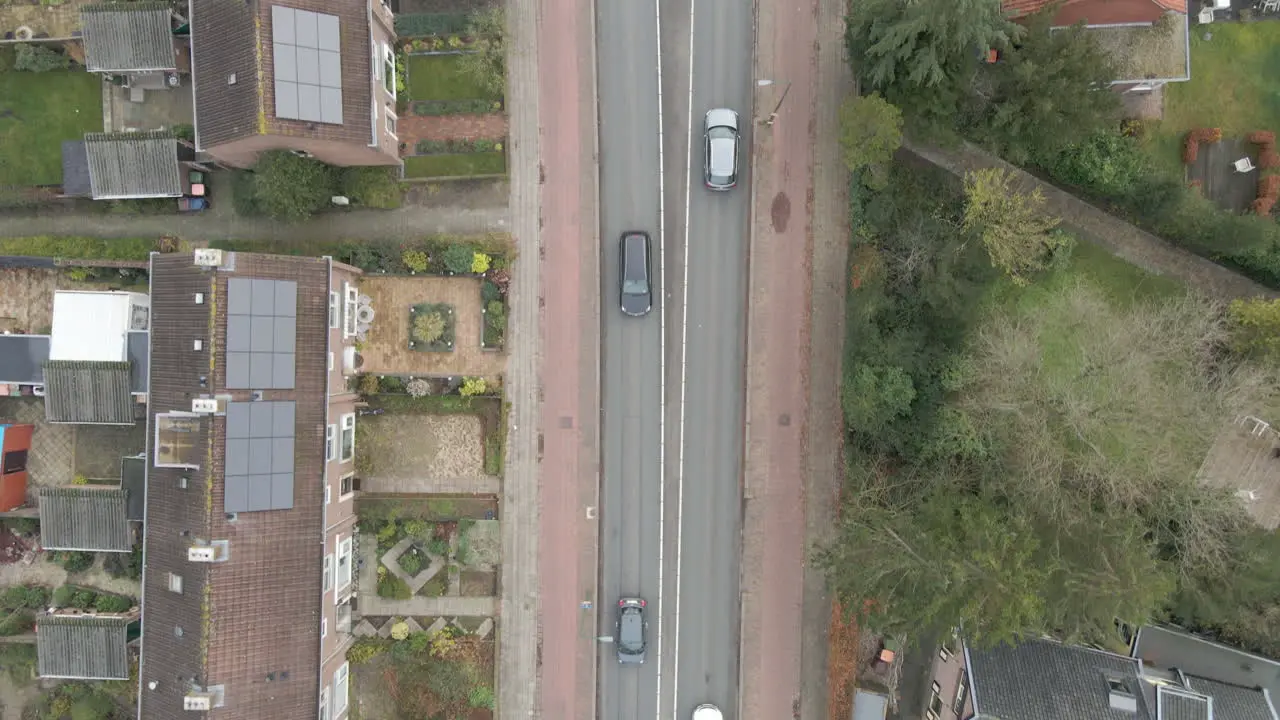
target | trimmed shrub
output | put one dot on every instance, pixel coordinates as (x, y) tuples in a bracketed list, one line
[(368, 385), (1190, 149), (1269, 186), (365, 649), (112, 603), (1207, 135), (418, 387), (416, 260), (62, 596), (289, 187), (428, 328), (75, 562), (373, 187), (38, 58), (78, 248), (1262, 137), (458, 258)]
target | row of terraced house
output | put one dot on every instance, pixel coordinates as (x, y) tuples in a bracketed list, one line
[(311, 76), (240, 364)]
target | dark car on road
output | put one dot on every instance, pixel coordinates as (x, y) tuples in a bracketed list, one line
[(631, 631), (720, 163), (633, 274)]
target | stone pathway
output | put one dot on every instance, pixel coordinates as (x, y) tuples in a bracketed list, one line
[(470, 485), (413, 128), (371, 604), (387, 349), (391, 559), (1118, 237)]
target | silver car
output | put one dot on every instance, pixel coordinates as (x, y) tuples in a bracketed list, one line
[(707, 711), (720, 166)]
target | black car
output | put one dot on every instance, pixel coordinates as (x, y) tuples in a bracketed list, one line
[(631, 631), (633, 274)]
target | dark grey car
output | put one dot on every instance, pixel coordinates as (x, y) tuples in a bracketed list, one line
[(636, 293), (631, 631)]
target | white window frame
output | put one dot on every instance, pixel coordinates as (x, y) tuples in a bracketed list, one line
[(328, 494), (343, 550), (331, 442), (328, 573), (351, 296), (389, 69), (324, 703), (175, 583), (347, 495), (324, 627), (392, 122), (348, 425), (341, 688), (333, 309), (330, 361)]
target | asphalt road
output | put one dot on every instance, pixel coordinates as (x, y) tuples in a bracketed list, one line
[(632, 348), (706, 617), (694, 508)]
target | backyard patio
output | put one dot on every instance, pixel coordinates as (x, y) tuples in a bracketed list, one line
[(1214, 171)]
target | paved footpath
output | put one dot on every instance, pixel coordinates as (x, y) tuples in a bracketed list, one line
[(518, 627), (778, 332), (569, 475)]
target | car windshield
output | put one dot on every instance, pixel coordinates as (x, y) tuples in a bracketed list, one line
[(720, 132), (635, 287)]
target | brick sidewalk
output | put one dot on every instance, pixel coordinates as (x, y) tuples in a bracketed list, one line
[(778, 336)]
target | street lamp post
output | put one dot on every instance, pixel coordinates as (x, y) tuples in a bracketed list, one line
[(768, 122)]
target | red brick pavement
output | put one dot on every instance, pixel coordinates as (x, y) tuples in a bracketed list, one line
[(412, 128), (570, 366), (778, 327)]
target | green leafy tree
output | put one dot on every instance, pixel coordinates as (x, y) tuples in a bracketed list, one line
[(1013, 225), (1048, 92), (922, 43), (290, 187), (38, 58), (870, 133), (486, 63), (952, 560), (1255, 328), (873, 397)]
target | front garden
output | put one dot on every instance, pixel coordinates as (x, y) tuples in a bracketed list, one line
[(441, 672), (467, 396), (452, 124)]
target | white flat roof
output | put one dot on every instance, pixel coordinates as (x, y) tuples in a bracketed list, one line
[(90, 325)]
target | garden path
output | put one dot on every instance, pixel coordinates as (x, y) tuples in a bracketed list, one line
[(412, 128), (387, 349), (373, 605)]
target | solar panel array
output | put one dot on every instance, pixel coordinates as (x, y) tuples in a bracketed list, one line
[(262, 329), (308, 65), (259, 456)]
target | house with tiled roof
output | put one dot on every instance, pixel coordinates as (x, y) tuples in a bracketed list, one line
[(1147, 39), (248, 581), (1167, 675), (313, 76)]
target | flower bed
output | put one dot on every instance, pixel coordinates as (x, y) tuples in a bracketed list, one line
[(431, 327), (493, 301), (437, 108)]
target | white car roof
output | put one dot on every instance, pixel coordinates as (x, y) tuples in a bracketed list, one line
[(722, 116), (707, 712)]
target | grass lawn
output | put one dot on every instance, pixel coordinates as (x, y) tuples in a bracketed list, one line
[(1234, 85), (440, 77), (462, 164), (37, 112), (1122, 282)]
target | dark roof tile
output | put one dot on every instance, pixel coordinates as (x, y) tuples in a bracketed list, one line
[(128, 37), (87, 648), (84, 518), (87, 391)]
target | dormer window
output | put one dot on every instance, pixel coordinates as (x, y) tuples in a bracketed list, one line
[(1120, 696)]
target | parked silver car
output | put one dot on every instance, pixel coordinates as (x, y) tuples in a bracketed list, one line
[(720, 166)]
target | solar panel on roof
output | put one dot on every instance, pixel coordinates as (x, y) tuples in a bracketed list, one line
[(262, 333), (307, 58), (259, 463)]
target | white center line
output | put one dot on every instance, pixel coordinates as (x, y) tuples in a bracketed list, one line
[(684, 360), (662, 346)]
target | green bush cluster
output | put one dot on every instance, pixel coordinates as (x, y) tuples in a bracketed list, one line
[(74, 561), (424, 24), (39, 58), (435, 108), (456, 147), (19, 597), (390, 586), (128, 564), (365, 649), (459, 257)]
